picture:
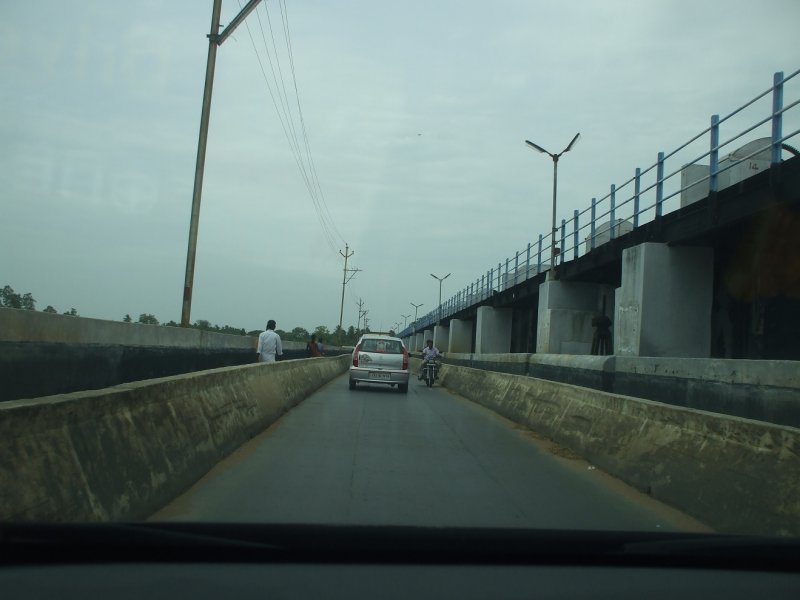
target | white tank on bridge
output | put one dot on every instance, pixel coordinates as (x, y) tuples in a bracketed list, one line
[(752, 158)]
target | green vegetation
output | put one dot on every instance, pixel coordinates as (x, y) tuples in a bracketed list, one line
[(338, 336), (10, 299)]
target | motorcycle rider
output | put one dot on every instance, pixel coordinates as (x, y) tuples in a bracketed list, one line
[(429, 352)]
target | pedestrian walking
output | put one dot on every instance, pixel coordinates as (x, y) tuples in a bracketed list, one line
[(312, 348), (269, 344)]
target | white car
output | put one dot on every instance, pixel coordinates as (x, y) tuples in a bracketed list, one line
[(380, 359)]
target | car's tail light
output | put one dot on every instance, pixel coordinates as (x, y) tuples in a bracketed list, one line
[(405, 359), (355, 355)]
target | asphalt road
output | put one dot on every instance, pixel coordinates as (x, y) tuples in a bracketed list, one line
[(428, 458)]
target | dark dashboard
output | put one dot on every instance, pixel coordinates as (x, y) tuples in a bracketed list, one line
[(166, 560)]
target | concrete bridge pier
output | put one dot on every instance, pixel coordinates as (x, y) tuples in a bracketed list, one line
[(493, 330), (441, 337), (419, 341), (566, 310), (664, 303), (461, 332)]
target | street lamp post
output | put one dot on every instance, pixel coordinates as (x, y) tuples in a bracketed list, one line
[(555, 158), (416, 307), (440, 280), (405, 320)]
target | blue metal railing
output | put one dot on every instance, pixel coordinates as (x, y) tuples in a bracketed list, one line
[(617, 217)]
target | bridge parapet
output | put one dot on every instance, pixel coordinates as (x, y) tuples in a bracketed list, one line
[(123, 452), (43, 354), (766, 391), (736, 475)]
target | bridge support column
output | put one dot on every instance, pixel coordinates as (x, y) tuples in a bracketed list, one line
[(664, 302), (419, 341), (461, 336), (566, 310), (441, 337), (493, 330), (427, 335)]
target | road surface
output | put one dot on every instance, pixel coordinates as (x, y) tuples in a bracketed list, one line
[(373, 456)]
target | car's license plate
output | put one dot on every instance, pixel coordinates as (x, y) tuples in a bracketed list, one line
[(380, 376)]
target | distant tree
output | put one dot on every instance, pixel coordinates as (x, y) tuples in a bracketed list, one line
[(50, 309), (72, 312), (127, 319), (203, 325), (232, 330), (147, 319), (28, 303), (322, 331), (171, 323), (299, 334), (338, 336), (351, 337), (9, 298)]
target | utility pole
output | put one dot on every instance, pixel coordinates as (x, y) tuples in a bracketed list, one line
[(361, 313), (215, 39), (360, 304), (346, 254)]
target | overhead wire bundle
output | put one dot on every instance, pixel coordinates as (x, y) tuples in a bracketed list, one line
[(293, 127)]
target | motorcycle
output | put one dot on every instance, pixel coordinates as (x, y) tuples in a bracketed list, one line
[(429, 371)]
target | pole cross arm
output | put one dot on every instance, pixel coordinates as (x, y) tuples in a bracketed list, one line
[(352, 273), (218, 39)]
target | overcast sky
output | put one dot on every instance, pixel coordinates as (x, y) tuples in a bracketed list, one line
[(416, 114)]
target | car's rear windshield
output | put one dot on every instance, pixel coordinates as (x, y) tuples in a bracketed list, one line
[(382, 346)]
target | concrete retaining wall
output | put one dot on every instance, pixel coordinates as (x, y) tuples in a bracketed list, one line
[(42, 354), (753, 389), (736, 475), (123, 452), (34, 326)]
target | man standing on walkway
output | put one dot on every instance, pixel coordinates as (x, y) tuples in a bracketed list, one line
[(269, 344)]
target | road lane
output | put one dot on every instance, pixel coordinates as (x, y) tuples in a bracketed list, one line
[(429, 458)]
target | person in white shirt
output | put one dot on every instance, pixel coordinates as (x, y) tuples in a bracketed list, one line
[(269, 344), (429, 352)]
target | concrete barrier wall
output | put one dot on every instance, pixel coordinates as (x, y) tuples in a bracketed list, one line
[(43, 354), (752, 389), (122, 453), (734, 474), (35, 326)]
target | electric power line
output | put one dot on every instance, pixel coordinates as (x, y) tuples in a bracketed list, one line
[(283, 110)]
